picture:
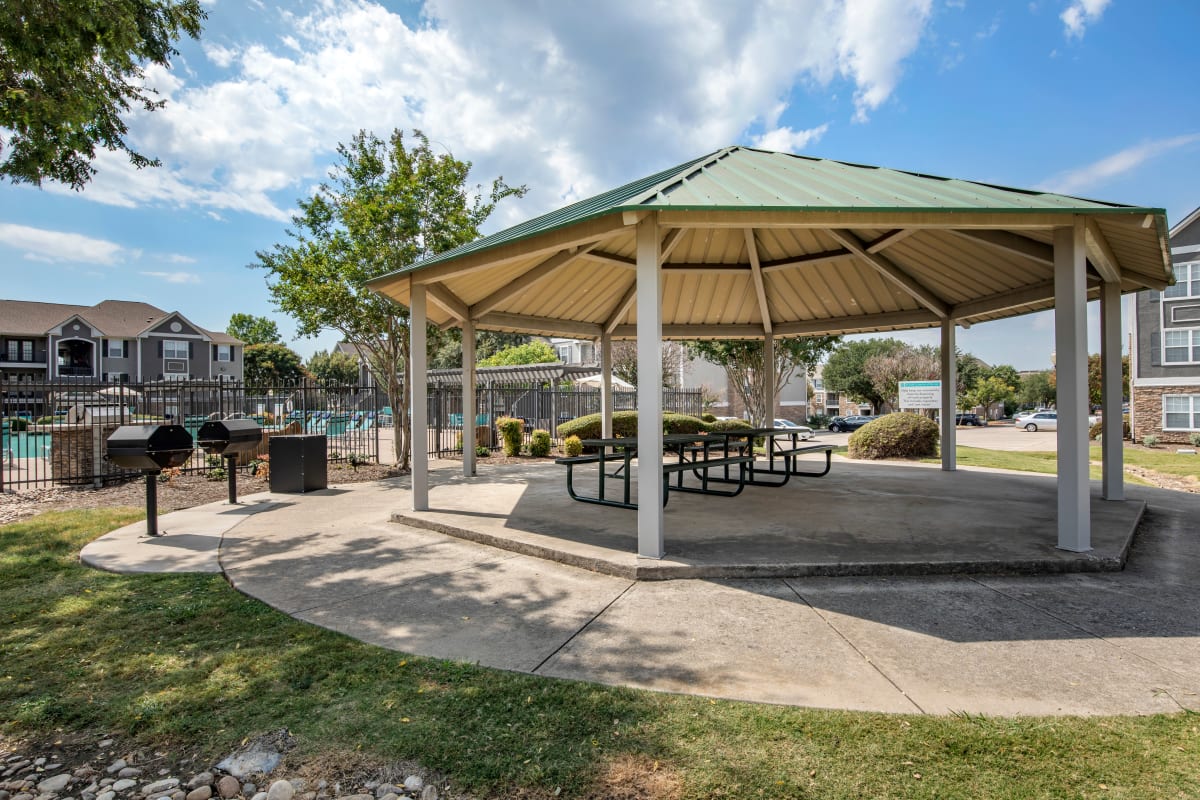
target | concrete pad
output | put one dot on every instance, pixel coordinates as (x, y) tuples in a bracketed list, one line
[(861, 519), (749, 640), (512, 614), (189, 540), (957, 645)]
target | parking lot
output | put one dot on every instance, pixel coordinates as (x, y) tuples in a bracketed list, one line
[(993, 436)]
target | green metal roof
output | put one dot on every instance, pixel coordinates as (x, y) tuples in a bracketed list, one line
[(747, 179)]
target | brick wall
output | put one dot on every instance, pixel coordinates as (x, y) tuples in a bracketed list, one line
[(1148, 413), (77, 455)]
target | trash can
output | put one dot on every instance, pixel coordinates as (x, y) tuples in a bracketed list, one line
[(298, 463)]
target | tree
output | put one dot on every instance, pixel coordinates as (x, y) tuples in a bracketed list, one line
[(624, 362), (1095, 375), (843, 372), (70, 69), (253, 330), (988, 390), (334, 368), (887, 370), (1038, 389), (447, 354), (272, 364), (1008, 374), (536, 352), (744, 364), (388, 204)]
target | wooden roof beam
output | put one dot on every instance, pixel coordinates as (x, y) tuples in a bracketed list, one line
[(1012, 243), (669, 243), (695, 332), (531, 276), (1102, 256), (861, 324), (449, 301), (807, 260), (760, 287), (611, 258), (889, 239), (1014, 298), (541, 325), (621, 309), (885, 267)]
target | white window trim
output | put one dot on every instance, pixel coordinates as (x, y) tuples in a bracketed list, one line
[(108, 344), (166, 356), (1193, 347), (1193, 282), (228, 353), (1195, 398)]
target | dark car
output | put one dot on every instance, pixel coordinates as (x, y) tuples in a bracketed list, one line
[(851, 423), (968, 419)]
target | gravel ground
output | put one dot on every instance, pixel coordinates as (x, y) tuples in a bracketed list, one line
[(182, 491)]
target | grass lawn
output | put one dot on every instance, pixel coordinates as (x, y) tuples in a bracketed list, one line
[(1163, 461), (186, 660)]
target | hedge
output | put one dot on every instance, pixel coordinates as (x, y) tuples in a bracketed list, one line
[(625, 425), (900, 435)]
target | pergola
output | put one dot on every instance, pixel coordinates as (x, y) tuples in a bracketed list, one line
[(746, 243)]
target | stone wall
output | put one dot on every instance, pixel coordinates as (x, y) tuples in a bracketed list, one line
[(1148, 413), (77, 455)]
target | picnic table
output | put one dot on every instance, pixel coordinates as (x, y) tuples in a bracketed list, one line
[(701, 454)]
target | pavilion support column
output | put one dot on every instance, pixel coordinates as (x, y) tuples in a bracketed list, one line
[(1070, 346), (768, 381), (419, 389), (469, 403), (649, 390), (1111, 393), (949, 397), (606, 396)]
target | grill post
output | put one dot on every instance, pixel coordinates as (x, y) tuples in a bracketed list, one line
[(152, 504), (231, 469)]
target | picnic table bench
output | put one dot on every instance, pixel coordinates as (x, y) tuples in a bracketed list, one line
[(680, 444)]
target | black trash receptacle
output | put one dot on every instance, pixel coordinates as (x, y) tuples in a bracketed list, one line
[(298, 463)]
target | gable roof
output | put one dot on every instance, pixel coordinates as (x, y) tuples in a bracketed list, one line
[(113, 318), (740, 178)]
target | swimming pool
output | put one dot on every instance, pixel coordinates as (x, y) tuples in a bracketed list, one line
[(30, 445)]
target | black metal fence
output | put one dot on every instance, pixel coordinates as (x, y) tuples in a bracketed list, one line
[(542, 408), (54, 432)]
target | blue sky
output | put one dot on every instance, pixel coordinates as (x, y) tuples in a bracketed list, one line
[(1087, 97)]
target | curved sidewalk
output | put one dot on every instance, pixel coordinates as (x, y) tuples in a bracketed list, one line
[(1096, 643)]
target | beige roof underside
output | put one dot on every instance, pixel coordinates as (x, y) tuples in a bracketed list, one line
[(709, 288)]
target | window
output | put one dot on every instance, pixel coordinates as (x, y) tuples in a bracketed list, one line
[(1181, 346), (1187, 281), (174, 349), (1181, 412), (224, 352), (564, 353), (116, 348), (818, 385), (20, 350)]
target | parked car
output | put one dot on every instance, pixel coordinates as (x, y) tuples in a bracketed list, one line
[(803, 432), (1038, 421), (850, 423), (968, 419)]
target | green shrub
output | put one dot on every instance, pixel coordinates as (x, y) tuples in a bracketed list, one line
[(17, 424), (511, 431), (482, 451), (625, 425), (1195, 439), (817, 421), (709, 417), (573, 446), (45, 421), (900, 435), (1150, 441), (217, 474), (539, 444)]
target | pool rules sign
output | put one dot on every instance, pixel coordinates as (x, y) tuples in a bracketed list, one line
[(921, 394)]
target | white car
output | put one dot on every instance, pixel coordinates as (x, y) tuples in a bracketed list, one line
[(802, 431), (1044, 421)]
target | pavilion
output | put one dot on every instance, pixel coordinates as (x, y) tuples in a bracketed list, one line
[(746, 243)]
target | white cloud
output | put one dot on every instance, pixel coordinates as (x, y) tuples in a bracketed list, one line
[(790, 141), (1081, 13), (1094, 174), (39, 244), (535, 92), (174, 277), (178, 258)]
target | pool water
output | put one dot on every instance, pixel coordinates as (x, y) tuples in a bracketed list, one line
[(30, 445)]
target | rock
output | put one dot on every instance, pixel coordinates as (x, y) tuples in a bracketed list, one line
[(414, 783), (37, 762), (384, 789), (260, 796), (309, 796), (107, 781), (86, 795), (129, 772), (160, 787), (22, 796), (178, 794), (123, 784), (390, 796), (202, 792), (358, 797), (55, 784), (105, 743), (5, 794), (249, 789), (430, 792), (281, 790), (262, 755), (201, 779), (109, 795), (228, 786)]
